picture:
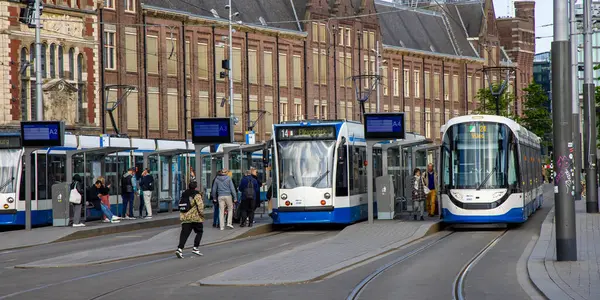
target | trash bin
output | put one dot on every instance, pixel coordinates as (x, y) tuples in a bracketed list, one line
[(60, 204), (385, 198)]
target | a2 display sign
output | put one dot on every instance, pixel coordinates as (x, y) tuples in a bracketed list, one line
[(43, 134), (212, 130), (384, 126)]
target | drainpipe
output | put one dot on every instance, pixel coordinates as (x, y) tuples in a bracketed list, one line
[(335, 99), (277, 78), (423, 96), (466, 78), (401, 83), (248, 85), (214, 54), (305, 82), (443, 97), (145, 75), (359, 59), (185, 108), (102, 83)]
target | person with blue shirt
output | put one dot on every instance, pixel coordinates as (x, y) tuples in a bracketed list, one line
[(250, 189)]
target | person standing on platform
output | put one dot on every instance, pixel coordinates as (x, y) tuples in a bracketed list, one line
[(77, 185), (214, 197), (191, 220), (254, 174), (147, 186), (248, 188), (227, 195), (431, 184), (127, 192), (418, 195)]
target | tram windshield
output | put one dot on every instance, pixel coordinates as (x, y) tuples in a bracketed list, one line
[(476, 156), (305, 164), (9, 163)]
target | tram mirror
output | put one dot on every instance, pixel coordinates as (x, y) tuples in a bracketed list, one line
[(43, 134)]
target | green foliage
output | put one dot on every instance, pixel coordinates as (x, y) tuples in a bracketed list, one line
[(536, 117), (488, 103)]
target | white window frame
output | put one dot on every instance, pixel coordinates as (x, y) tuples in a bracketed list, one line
[(130, 9), (114, 49), (109, 4)]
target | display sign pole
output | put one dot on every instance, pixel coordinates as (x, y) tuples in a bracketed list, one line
[(27, 155), (198, 150), (370, 200)]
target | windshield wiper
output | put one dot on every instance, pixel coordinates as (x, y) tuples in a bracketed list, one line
[(487, 177), (319, 179), (5, 184)]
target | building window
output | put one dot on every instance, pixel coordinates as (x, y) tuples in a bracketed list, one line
[(436, 86), (316, 109), (408, 118), (152, 54), (406, 83), (447, 115), (436, 123), (61, 66), (385, 79), (202, 61), (52, 61), (348, 68), (130, 5), (72, 64), (80, 90), (283, 70), (32, 60), (25, 90), (154, 107), (109, 4), (315, 32), (446, 87), (171, 53), (348, 37), (342, 110), (470, 88), (324, 111), (366, 71), (322, 33), (109, 50), (455, 88), (477, 85), (299, 115), (341, 36), (237, 64), (323, 68), (427, 123), (371, 40), (365, 40), (252, 67), (417, 120), (131, 50), (297, 69), (172, 110), (427, 85), (268, 57), (44, 47), (283, 110), (396, 82), (188, 59), (417, 76), (315, 66)]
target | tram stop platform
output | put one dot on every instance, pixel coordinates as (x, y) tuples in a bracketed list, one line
[(49, 234), (353, 245), (162, 243), (576, 280)]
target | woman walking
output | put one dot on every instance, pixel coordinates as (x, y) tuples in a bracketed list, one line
[(191, 219), (418, 195)]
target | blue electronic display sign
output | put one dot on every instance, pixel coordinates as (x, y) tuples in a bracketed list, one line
[(42, 134), (384, 126), (212, 131)]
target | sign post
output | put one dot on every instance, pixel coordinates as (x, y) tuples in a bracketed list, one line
[(37, 135), (379, 127), (206, 132)]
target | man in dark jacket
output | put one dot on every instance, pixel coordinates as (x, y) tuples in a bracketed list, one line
[(254, 173), (94, 193), (147, 186), (127, 192), (249, 188), (78, 185)]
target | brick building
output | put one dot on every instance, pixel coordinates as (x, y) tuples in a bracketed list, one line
[(69, 65)]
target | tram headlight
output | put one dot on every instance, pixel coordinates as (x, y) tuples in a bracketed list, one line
[(5, 206), (10, 200), (458, 196), (327, 195), (497, 195), (283, 196)]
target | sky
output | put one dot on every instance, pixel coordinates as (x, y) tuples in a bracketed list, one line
[(543, 16)]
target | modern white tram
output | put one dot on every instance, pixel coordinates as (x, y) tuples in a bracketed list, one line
[(490, 171), (321, 174), (50, 167)]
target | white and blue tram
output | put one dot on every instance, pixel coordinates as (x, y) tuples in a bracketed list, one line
[(321, 174), (49, 167), (490, 171)]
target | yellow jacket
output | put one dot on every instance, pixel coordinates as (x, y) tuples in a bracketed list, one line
[(196, 212)]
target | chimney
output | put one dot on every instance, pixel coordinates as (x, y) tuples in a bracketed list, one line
[(525, 10)]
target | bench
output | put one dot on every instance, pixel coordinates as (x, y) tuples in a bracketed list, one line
[(169, 202)]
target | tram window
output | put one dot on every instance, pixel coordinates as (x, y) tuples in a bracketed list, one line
[(341, 178), (42, 177), (512, 167), (446, 166), (22, 185), (56, 171), (362, 172), (351, 166)]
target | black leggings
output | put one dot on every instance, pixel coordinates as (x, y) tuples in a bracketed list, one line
[(186, 230)]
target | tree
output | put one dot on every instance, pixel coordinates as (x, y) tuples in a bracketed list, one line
[(536, 117), (487, 102)]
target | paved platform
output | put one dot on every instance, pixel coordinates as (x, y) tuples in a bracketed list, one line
[(354, 244), (49, 234), (163, 242), (568, 280)]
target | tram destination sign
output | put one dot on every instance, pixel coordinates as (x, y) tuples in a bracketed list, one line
[(384, 126), (43, 134), (295, 133), (212, 130), (10, 141)]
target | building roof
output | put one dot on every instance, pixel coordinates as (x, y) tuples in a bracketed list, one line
[(470, 15), (278, 14), (422, 30)]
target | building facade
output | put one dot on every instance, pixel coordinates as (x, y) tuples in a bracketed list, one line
[(542, 74), (69, 65)]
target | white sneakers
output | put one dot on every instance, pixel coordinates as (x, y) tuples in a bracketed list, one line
[(115, 219), (179, 252), (148, 218), (230, 226), (196, 251), (79, 225)]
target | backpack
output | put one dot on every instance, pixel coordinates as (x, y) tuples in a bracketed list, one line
[(249, 192), (185, 203)]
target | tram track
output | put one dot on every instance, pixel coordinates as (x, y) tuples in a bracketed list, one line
[(458, 284)]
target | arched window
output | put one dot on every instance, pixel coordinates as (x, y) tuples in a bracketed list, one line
[(32, 60), (61, 64), (24, 86), (44, 47), (80, 67), (72, 64), (52, 61)]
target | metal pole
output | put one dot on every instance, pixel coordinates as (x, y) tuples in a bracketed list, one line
[(576, 105), (38, 64), (566, 243), (591, 199), (378, 72), (28, 167), (230, 62), (370, 181), (497, 104)]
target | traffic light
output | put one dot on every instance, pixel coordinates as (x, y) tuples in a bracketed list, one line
[(225, 64), (27, 14)]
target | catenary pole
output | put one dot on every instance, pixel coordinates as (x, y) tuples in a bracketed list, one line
[(576, 122), (566, 244)]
